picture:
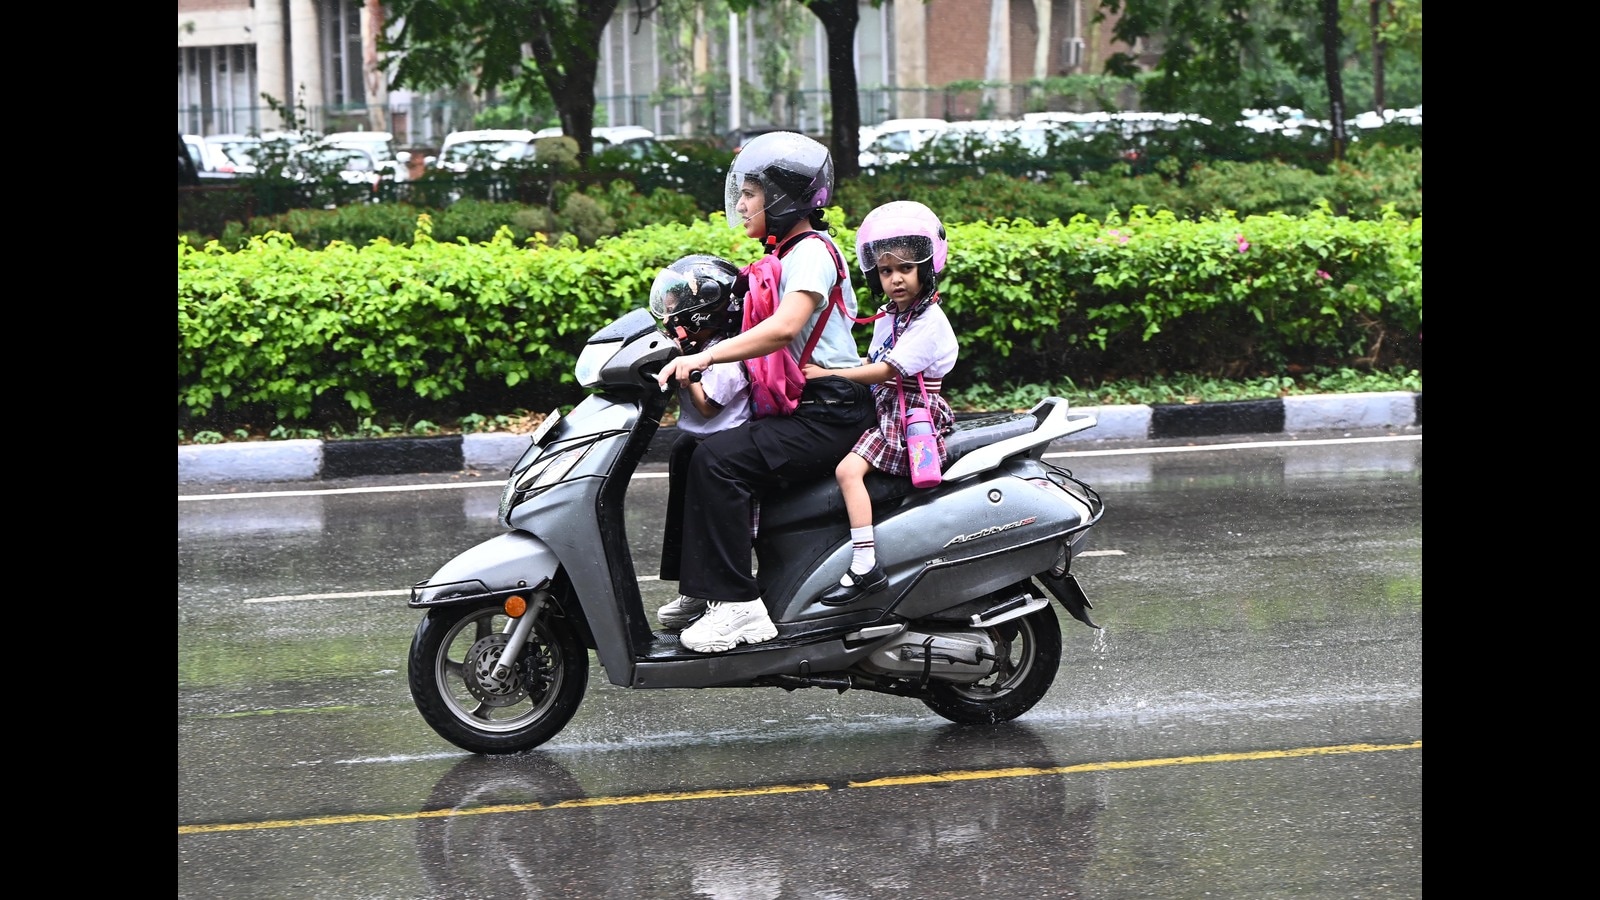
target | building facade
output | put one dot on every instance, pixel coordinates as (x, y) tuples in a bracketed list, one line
[(317, 60)]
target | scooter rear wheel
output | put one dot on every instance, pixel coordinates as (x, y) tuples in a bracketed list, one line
[(450, 673), (1030, 655)]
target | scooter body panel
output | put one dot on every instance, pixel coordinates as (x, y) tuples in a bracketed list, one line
[(509, 561), (580, 518), (744, 664), (940, 547)]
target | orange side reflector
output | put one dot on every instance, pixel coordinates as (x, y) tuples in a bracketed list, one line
[(516, 606)]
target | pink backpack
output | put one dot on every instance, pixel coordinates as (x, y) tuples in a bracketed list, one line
[(776, 380)]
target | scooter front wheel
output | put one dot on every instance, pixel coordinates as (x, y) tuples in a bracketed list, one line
[(454, 685), (1030, 654)]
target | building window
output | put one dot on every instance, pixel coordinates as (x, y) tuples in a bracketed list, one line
[(344, 86), (217, 90)]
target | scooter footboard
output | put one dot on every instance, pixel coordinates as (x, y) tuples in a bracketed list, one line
[(507, 562)]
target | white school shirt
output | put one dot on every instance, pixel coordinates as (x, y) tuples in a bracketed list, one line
[(928, 345), (727, 384)]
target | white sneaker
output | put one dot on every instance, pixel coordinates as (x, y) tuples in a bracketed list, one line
[(727, 625), (680, 612)]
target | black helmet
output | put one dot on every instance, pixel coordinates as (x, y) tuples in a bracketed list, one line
[(795, 173), (694, 293)]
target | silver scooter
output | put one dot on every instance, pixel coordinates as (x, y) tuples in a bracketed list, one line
[(499, 662)]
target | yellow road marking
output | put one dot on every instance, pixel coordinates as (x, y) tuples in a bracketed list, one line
[(769, 790)]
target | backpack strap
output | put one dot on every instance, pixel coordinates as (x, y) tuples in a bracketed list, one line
[(837, 297)]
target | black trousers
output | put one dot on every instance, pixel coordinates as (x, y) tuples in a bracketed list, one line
[(729, 469), (672, 530)]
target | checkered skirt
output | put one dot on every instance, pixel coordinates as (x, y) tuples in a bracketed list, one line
[(884, 446)]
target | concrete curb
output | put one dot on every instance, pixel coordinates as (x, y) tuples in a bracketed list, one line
[(311, 460)]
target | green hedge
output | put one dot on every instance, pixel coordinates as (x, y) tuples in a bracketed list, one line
[(438, 329), (1375, 177)]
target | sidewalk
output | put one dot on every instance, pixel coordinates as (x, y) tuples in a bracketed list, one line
[(314, 460)]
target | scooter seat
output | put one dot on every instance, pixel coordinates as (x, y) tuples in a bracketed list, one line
[(821, 497), (971, 434)]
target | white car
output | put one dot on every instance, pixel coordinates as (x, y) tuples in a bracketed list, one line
[(632, 141), (380, 144), (319, 162), (1411, 115), (893, 140), (631, 148), (208, 161), (491, 148), (251, 154)]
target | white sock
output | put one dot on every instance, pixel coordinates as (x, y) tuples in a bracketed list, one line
[(863, 552)]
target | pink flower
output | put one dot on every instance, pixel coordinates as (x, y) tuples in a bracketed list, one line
[(1243, 244), (1323, 275), (1121, 238)]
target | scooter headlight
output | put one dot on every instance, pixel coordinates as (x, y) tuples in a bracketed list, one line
[(551, 470)]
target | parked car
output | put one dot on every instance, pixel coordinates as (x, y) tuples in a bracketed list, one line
[(1411, 115), (333, 165), (188, 173), (980, 139), (892, 141), (633, 141), (395, 163), (630, 148), (737, 138), (211, 162), (235, 153), (464, 151), (244, 155)]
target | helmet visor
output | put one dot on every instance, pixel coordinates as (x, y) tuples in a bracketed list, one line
[(671, 294), (913, 249), (753, 196)]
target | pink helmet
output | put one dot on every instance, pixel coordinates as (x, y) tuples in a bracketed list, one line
[(905, 229)]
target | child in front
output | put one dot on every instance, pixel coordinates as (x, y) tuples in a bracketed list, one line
[(901, 247), (695, 299)]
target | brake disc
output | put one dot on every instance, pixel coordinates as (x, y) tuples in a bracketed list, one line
[(478, 673)]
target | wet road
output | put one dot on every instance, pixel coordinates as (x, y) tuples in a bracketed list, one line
[(1248, 724)]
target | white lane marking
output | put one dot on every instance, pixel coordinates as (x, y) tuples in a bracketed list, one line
[(354, 595), (1244, 445), (1130, 451)]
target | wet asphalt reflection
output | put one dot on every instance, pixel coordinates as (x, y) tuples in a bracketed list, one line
[(1247, 724)]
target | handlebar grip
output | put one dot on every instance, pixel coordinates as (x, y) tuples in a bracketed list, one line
[(694, 376)]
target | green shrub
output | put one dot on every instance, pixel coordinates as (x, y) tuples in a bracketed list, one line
[(433, 329)]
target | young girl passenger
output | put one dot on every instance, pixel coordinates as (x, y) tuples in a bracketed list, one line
[(901, 247)]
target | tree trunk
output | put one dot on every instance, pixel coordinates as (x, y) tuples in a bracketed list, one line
[(1378, 48), (839, 20), (569, 67), (1332, 38)]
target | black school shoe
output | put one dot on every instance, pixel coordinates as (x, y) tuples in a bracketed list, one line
[(840, 594)]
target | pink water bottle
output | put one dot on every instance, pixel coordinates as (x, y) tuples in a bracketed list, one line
[(923, 448)]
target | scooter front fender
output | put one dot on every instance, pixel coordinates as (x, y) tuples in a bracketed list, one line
[(513, 561)]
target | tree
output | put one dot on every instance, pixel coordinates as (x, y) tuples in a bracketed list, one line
[(839, 20), (1381, 27), (445, 43), (1222, 56)]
